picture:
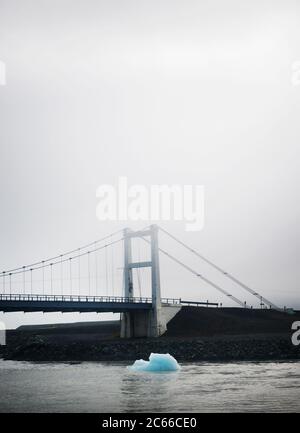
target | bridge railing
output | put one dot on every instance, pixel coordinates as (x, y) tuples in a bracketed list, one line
[(199, 304), (78, 298)]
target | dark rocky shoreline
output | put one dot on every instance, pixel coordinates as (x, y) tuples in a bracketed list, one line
[(222, 348), (194, 334)]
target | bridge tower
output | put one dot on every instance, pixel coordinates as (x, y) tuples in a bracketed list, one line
[(143, 323)]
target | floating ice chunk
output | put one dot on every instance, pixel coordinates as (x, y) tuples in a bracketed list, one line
[(157, 362)]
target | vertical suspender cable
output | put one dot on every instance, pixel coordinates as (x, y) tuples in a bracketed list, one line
[(43, 268), (112, 268), (31, 281), (79, 271), (52, 259), (61, 275), (42, 265), (23, 280), (89, 273), (106, 270), (138, 269), (3, 287), (70, 261), (51, 278), (96, 269)]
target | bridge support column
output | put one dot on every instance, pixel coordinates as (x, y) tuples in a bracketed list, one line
[(135, 324), (126, 318), (158, 325), (143, 323)]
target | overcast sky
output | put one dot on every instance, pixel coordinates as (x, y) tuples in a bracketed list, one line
[(183, 92)]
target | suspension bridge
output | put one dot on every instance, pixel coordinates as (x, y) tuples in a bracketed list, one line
[(76, 280)]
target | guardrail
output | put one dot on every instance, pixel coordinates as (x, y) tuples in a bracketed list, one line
[(196, 303), (78, 298), (81, 298)]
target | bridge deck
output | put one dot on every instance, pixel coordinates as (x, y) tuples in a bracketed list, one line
[(73, 303)]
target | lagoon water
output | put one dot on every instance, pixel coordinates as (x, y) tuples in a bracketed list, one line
[(111, 387)]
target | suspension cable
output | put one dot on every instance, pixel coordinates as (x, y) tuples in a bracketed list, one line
[(66, 259), (112, 270), (51, 259), (222, 271), (224, 292)]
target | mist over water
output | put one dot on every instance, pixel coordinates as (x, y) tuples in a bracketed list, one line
[(103, 387)]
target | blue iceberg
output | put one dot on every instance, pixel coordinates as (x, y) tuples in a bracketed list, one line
[(157, 362)]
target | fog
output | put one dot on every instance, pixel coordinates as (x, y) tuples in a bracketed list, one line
[(162, 92)]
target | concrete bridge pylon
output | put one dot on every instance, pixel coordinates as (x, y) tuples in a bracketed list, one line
[(152, 323)]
